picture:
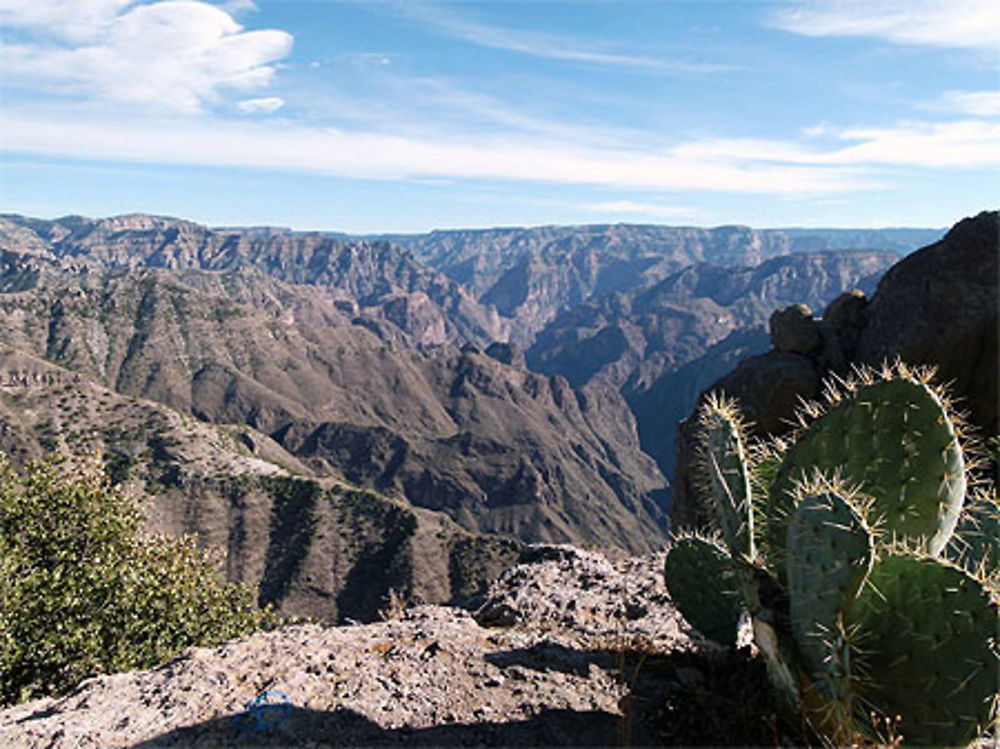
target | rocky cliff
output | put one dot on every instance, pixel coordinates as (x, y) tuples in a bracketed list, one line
[(494, 447), (534, 274), (307, 544), (660, 346), (378, 277), (629, 339), (937, 306)]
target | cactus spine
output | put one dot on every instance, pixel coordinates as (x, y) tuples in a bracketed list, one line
[(849, 600), (927, 628), (895, 440), (830, 552), (726, 476)]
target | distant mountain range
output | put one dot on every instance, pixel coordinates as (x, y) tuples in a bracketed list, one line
[(376, 279), (533, 274), (223, 372), (661, 345)]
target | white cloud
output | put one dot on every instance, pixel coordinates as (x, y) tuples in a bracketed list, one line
[(968, 24), (549, 46), (232, 7), (289, 147), (975, 103), (632, 207), (959, 144), (176, 54), (816, 131), (366, 59), (843, 161), (65, 19), (265, 105), (962, 144)]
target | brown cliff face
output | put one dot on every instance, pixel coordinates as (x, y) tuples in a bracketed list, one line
[(535, 274), (629, 339), (492, 446), (379, 276), (306, 544), (938, 306), (661, 345), (531, 275)]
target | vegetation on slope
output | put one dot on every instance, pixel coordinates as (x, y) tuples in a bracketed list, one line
[(84, 591)]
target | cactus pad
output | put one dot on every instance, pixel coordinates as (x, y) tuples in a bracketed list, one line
[(895, 440), (725, 474), (976, 542), (927, 628), (830, 551), (700, 580)]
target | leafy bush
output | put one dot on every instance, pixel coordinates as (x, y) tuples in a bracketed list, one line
[(84, 591)]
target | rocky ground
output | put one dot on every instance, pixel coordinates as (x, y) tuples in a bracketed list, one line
[(552, 657)]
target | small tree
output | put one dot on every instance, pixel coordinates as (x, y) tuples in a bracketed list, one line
[(84, 591)]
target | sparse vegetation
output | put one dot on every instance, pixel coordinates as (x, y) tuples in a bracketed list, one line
[(84, 591), (395, 606)]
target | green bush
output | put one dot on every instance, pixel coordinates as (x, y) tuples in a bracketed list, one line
[(84, 591)]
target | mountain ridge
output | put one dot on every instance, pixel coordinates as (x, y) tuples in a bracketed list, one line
[(378, 275), (497, 448)]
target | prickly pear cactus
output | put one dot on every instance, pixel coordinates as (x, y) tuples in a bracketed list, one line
[(895, 440), (849, 601), (701, 583), (976, 543), (724, 474), (926, 640), (830, 551)]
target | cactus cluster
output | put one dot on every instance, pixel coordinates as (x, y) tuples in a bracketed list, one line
[(865, 553)]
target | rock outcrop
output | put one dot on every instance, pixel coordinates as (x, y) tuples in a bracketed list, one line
[(938, 307), (557, 672), (793, 330)]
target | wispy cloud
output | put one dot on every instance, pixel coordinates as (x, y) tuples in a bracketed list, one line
[(172, 55), (545, 45), (966, 24), (433, 103), (975, 103), (957, 144), (281, 145), (637, 208), (962, 144), (264, 105)]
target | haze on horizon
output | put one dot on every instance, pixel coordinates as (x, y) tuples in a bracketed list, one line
[(386, 116)]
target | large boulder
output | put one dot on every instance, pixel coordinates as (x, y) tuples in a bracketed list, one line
[(938, 306), (794, 330)]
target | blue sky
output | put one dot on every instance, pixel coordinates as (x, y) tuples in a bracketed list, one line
[(378, 115)]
